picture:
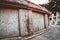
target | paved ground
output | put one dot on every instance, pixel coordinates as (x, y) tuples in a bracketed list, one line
[(53, 34)]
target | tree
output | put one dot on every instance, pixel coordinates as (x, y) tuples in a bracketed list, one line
[(53, 6)]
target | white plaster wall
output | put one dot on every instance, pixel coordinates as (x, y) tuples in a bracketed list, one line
[(38, 21), (8, 22), (23, 21), (31, 22)]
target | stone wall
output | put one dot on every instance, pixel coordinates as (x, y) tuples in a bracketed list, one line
[(20, 22), (8, 22)]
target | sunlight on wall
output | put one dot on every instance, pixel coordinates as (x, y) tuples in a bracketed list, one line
[(40, 1)]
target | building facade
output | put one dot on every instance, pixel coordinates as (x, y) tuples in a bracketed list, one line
[(20, 18)]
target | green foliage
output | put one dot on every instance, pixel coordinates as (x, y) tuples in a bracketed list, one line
[(53, 6)]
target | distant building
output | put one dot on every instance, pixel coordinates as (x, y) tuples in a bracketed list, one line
[(55, 19), (20, 18)]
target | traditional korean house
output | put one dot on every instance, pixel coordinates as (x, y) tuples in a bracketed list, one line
[(20, 18)]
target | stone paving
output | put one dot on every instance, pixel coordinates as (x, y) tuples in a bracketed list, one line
[(53, 34)]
